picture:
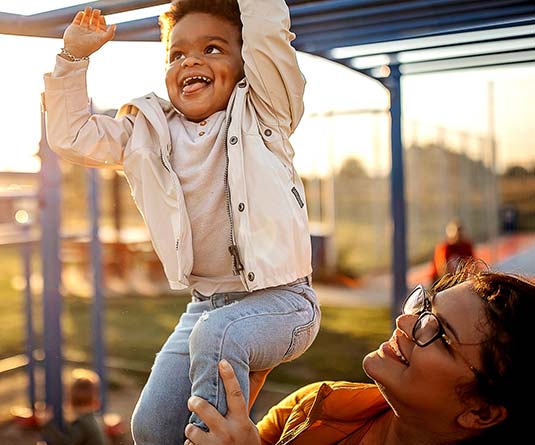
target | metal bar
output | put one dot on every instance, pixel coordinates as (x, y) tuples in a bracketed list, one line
[(98, 294), (505, 39), (458, 68), (430, 21), (397, 195), (469, 62), (309, 8), (320, 42), (52, 23), (26, 253), (395, 12), (50, 179)]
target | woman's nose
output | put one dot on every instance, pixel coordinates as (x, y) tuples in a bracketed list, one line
[(405, 323)]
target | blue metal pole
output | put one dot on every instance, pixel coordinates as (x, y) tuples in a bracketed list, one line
[(397, 194), (98, 297), (50, 198), (26, 252)]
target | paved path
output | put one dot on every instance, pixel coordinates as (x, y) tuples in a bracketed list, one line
[(509, 253), (523, 262)]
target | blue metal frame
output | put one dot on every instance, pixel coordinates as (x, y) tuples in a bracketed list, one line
[(26, 254), (49, 199), (99, 350)]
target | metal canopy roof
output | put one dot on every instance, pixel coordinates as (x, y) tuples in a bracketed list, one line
[(499, 31), (381, 38)]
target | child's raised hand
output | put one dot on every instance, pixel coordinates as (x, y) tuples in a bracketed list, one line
[(87, 33)]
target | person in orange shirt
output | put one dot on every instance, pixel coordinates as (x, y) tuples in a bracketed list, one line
[(454, 371), (448, 253)]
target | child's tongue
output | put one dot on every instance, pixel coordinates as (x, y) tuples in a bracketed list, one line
[(193, 87)]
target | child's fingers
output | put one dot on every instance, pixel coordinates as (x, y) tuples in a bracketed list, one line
[(235, 398), (78, 18), (102, 23), (110, 32), (86, 19), (95, 19)]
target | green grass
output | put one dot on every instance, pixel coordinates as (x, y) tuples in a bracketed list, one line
[(136, 327)]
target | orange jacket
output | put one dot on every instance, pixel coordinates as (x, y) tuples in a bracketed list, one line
[(447, 255), (323, 413)]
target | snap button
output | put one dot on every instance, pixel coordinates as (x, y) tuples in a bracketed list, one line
[(233, 140), (201, 133), (202, 124), (268, 132), (241, 206), (250, 276)]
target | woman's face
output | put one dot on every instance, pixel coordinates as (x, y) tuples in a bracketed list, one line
[(423, 381)]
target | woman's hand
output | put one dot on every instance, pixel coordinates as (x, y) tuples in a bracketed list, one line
[(87, 33), (236, 428)]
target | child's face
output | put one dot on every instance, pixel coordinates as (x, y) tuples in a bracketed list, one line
[(204, 65)]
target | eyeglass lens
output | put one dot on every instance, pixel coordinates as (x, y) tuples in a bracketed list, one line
[(415, 302), (426, 329)]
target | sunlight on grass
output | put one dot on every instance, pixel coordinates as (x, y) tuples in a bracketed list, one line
[(135, 328)]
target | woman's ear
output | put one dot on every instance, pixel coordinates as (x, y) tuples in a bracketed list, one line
[(482, 416)]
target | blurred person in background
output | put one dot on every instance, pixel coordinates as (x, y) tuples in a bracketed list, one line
[(448, 253), (86, 426)]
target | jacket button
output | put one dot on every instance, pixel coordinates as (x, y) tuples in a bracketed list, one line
[(241, 206), (233, 140), (242, 84), (250, 276), (268, 132)]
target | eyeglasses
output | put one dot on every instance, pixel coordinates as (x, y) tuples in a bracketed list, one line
[(428, 327)]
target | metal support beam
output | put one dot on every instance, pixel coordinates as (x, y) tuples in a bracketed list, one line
[(26, 253), (98, 294), (397, 195), (49, 199)]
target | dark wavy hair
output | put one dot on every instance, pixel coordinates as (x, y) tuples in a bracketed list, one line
[(506, 373), (225, 9)]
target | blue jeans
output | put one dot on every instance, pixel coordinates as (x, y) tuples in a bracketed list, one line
[(251, 330)]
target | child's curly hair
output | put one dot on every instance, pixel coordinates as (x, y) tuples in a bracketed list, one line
[(225, 9), (84, 389)]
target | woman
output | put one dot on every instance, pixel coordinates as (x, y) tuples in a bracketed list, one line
[(456, 370)]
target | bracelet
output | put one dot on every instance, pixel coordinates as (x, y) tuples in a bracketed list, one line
[(71, 56)]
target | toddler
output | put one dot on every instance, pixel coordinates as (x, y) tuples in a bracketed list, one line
[(211, 171)]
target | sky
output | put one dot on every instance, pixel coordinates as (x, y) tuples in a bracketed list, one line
[(457, 101)]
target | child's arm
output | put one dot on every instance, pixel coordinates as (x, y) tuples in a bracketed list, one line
[(270, 63), (72, 131)]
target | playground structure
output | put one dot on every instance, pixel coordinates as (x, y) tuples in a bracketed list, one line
[(321, 28), (47, 201)]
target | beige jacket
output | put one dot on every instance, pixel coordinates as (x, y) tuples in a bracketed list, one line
[(266, 201)]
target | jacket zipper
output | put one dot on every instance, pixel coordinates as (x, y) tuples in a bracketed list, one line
[(237, 265)]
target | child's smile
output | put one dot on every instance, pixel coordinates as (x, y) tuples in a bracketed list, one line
[(193, 84), (204, 65)]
